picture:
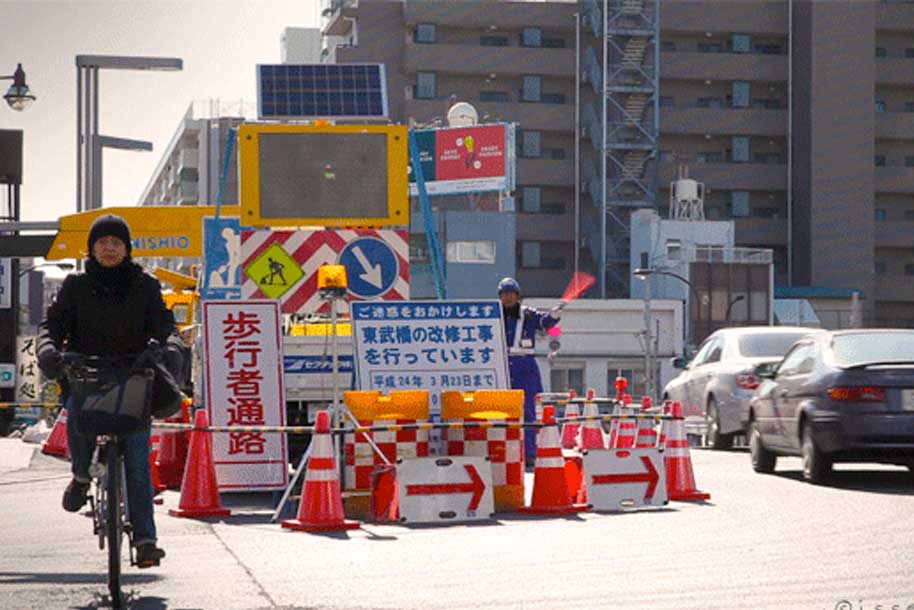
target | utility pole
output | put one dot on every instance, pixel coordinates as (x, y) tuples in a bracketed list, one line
[(648, 342)]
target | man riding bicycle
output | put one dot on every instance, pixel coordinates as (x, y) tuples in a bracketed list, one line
[(111, 310)]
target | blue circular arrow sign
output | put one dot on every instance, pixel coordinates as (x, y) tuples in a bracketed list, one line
[(371, 266)]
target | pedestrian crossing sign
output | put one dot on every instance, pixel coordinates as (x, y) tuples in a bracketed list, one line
[(274, 271)]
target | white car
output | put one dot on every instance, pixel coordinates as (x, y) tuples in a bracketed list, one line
[(719, 381)]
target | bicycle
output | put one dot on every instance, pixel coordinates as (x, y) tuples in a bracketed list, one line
[(107, 389)]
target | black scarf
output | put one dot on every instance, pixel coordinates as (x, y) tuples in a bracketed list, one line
[(112, 279), (511, 312)]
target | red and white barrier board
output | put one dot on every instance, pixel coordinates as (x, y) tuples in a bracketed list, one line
[(443, 489), (620, 479), (244, 388)]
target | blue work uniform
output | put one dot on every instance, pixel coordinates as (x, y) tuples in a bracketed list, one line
[(520, 337)]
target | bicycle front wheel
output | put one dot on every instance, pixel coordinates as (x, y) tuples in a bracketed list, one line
[(115, 525)]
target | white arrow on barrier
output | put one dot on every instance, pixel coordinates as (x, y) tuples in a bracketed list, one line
[(372, 273)]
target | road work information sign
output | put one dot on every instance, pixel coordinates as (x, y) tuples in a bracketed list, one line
[(244, 388), (430, 345)]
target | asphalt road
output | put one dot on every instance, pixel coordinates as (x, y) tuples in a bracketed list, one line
[(761, 542)]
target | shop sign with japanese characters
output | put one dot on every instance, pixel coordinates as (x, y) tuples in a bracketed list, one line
[(430, 345), (28, 378), (244, 389)]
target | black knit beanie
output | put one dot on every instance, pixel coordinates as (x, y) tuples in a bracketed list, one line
[(109, 224)]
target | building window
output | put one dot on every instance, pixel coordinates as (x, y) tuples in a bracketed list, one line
[(673, 249), (768, 158), (426, 85), (879, 160), (532, 199), (531, 147), (709, 47), (739, 204), (553, 98), (553, 153), (667, 101), (667, 45), (478, 252), (909, 269), (879, 214), (553, 43), (534, 256), (425, 33), (709, 102), (879, 266), (418, 248), (880, 106), (740, 94), (667, 155), (768, 49), (634, 374), (532, 89), (709, 157), (494, 96), (881, 52), (493, 41), (766, 104), (531, 37), (741, 43), (739, 152), (564, 379)]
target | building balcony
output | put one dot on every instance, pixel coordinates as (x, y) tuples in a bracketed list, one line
[(724, 121), (731, 176), (470, 59), (188, 193), (188, 162), (767, 232), (894, 70), (541, 117), (545, 172), (894, 287), (894, 16), (545, 227), (490, 14), (895, 234), (895, 125), (896, 179), (746, 18), (340, 17), (723, 66)]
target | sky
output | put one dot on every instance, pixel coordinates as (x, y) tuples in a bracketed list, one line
[(220, 43)]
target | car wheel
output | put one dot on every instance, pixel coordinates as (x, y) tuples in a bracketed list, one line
[(816, 465), (763, 459), (717, 440)]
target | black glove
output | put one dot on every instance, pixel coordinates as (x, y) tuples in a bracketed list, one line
[(173, 360), (50, 362)]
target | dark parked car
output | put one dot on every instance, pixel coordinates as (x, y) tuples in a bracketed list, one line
[(840, 396)]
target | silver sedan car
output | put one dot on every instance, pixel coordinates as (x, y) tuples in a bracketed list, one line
[(720, 380)]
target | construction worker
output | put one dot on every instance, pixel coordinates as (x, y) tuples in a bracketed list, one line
[(521, 326)]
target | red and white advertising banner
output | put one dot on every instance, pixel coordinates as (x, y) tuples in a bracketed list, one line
[(244, 389), (283, 265)]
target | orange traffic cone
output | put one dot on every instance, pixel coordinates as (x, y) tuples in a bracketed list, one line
[(647, 434), (56, 443), (550, 489), (570, 429), (592, 430), (680, 481), (665, 424), (199, 491), (621, 384), (155, 441), (628, 428), (173, 449), (321, 506)]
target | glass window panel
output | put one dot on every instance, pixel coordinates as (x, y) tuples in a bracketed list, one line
[(532, 37), (532, 89), (532, 199), (426, 85), (739, 203), (425, 32), (741, 97)]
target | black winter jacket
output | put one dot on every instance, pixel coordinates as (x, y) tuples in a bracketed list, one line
[(96, 316)]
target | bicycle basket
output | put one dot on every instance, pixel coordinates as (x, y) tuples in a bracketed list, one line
[(117, 403)]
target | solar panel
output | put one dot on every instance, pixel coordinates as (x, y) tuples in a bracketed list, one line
[(321, 91)]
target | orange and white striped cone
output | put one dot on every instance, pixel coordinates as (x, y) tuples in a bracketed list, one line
[(614, 424), (665, 424), (570, 430), (56, 443), (591, 430), (321, 506), (680, 481), (647, 433), (628, 427), (550, 489), (157, 487)]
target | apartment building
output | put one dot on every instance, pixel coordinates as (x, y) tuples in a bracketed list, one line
[(797, 116)]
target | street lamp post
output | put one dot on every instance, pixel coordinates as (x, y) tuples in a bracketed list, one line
[(643, 274), (89, 143), (18, 95), (736, 299)]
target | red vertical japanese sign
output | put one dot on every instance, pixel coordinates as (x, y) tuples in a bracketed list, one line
[(244, 389)]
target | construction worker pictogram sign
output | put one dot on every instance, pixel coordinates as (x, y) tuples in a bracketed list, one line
[(620, 479), (283, 265)]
